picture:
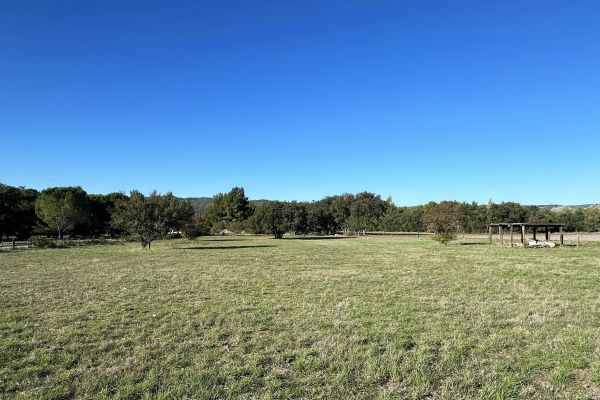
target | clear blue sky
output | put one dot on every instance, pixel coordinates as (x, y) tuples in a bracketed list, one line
[(420, 100)]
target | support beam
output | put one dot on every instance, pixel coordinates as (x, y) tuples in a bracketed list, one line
[(523, 234), (547, 233), (490, 233), (501, 233), (511, 236), (535, 233)]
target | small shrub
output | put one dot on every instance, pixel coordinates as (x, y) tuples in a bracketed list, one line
[(42, 242), (443, 221), (444, 237)]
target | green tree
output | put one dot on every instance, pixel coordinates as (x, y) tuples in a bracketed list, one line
[(319, 218), (62, 207), (228, 210), (98, 222), (17, 211), (216, 213), (151, 217), (366, 211), (592, 218), (572, 218), (339, 207), (271, 217)]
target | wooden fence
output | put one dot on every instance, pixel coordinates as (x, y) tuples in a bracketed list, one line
[(15, 245)]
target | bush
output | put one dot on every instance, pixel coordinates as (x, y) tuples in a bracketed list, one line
[(443, 221), (198, 227), (42, 242), (444, 237)]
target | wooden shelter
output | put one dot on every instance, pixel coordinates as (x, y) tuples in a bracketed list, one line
[(522, 229)]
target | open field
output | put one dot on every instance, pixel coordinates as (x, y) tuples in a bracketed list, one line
[(253, 317)]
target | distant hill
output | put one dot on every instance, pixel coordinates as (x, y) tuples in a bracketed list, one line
[(550, 206), (201, 203)]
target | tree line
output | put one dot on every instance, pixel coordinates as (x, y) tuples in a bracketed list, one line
[(70, 210)]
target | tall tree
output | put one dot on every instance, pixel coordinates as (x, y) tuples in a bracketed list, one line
[(62, 207), (228, 210), (237, 205), (365, 212), (99, 217), (17, 211), (340, 209)]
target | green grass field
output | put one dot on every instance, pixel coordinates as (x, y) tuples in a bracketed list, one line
[(253, 317)]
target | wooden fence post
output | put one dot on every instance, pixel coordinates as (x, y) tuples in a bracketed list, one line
[(562, 238), (511, 236)]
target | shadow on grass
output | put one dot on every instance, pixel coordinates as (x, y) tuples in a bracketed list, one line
[(222, 240), (225, 247), (475, 244), (316, 237)]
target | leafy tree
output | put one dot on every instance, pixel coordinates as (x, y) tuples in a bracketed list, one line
[(17, 211), (592, 218), (271, 217), (365, 212), (319, 219), (392, 220), (151, 217), (572, 218), (443, 221), (296, 218), (62, 207), (340, 209), (507, 212)]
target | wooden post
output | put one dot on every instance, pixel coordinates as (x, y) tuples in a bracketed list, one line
[(13, 244), (501, 235), (511, 236), (523, 234), (535, 233), (578, 240), (562, 238), (547, 234), (490, 233)]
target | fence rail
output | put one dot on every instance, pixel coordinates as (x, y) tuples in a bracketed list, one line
[(15, 245)]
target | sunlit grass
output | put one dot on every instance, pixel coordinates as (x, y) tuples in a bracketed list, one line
[(253, 317)]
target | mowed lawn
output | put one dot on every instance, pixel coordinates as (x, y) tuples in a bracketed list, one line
[(254, 317)]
